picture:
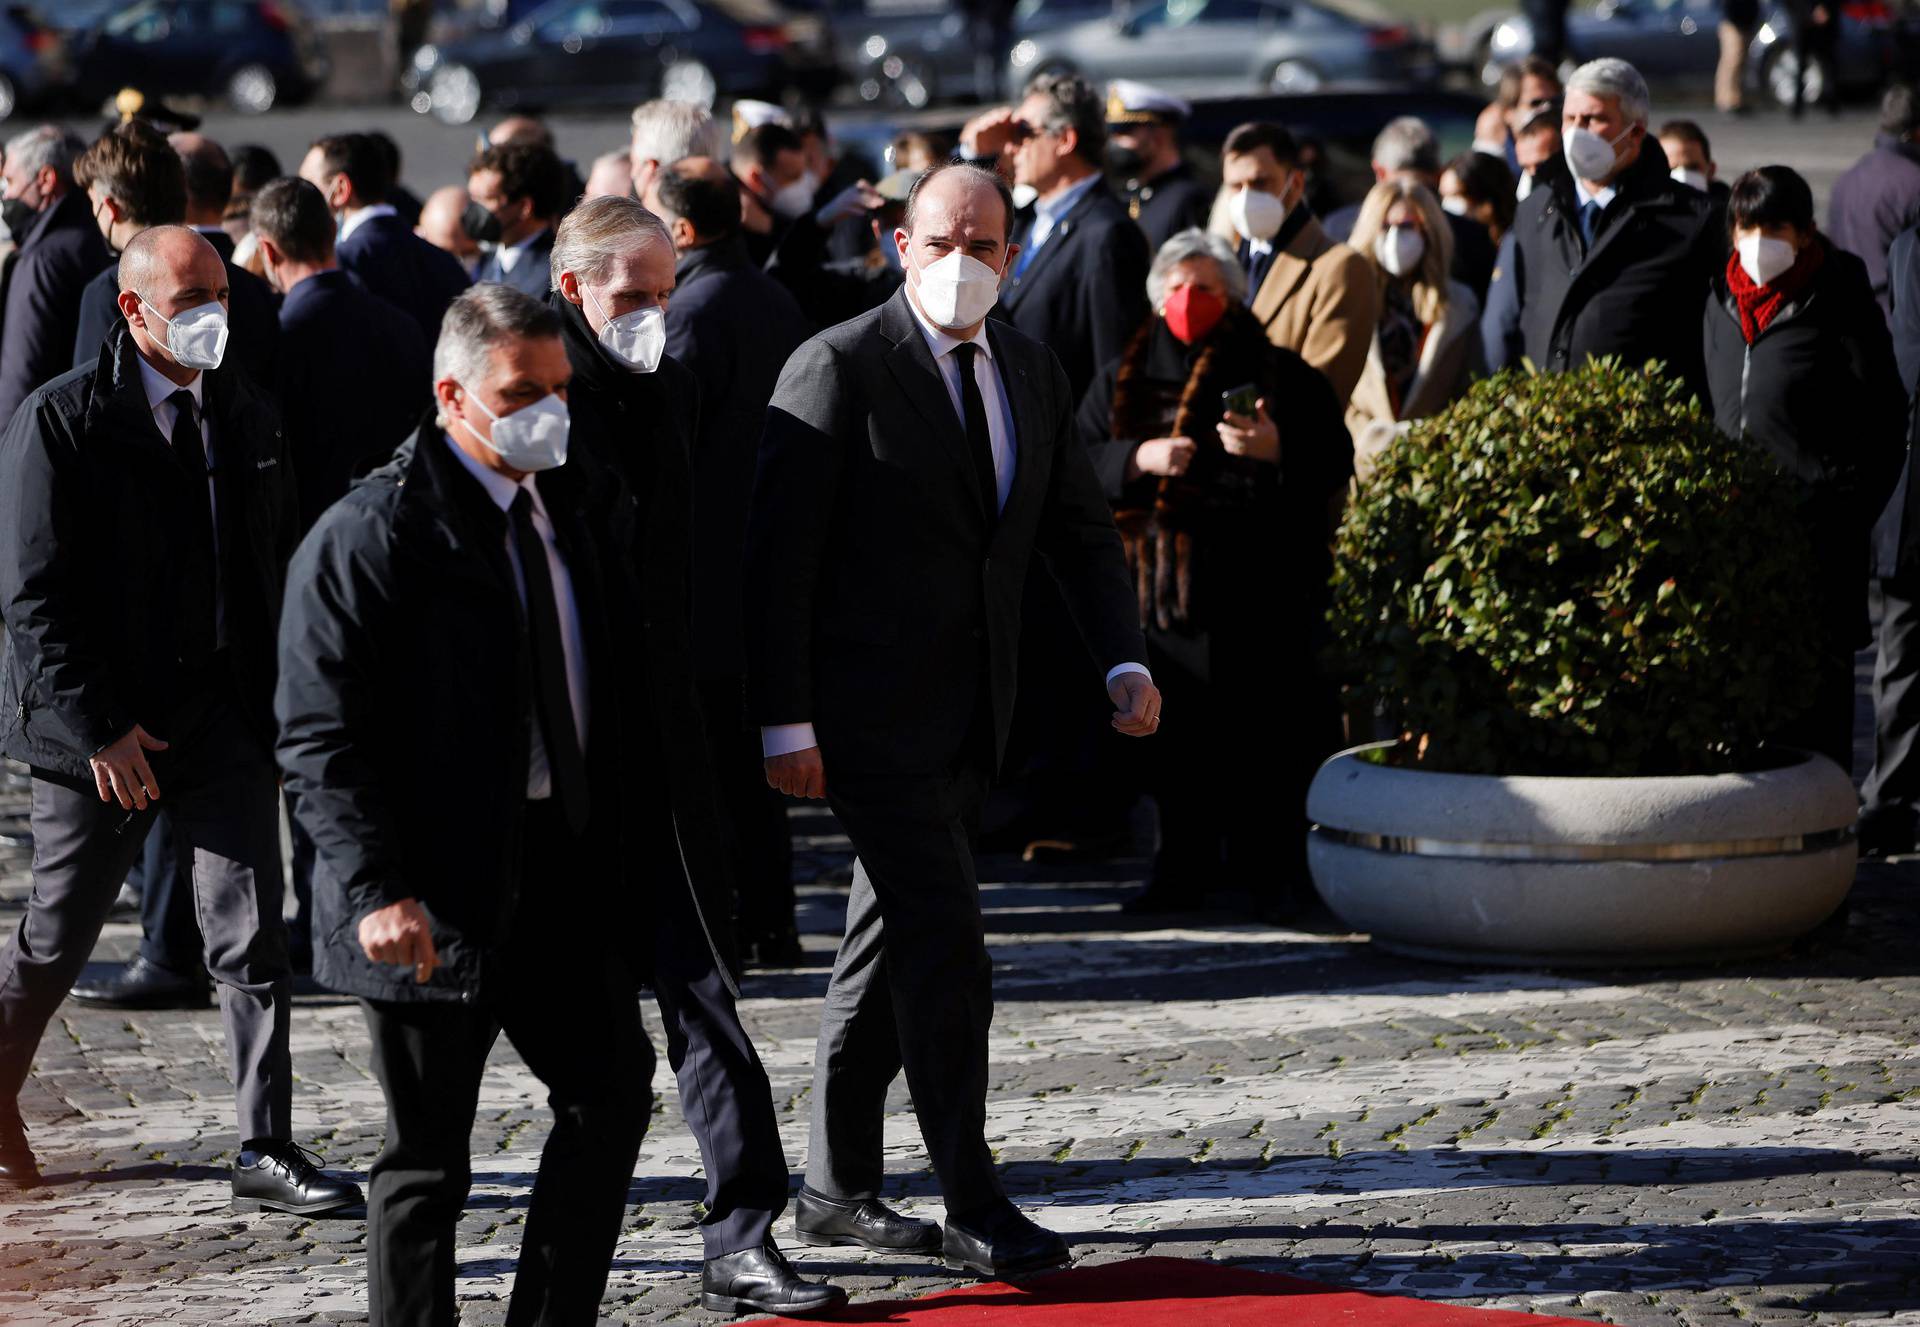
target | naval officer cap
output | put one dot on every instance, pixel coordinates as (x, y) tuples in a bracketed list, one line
[(1129, 102), (749, 115)]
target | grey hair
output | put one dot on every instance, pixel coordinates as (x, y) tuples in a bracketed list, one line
[(599, 230), (1186, 246), (1617, 80), (1407, 144), (665, 131), (1074, 103), (46, 145), (481, 318)]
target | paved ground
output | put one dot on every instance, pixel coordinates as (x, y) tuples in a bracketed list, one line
[(1648, 1147)]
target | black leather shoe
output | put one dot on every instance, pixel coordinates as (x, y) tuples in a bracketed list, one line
[(283, 1178), (763, 1281), (144, 985), (18, 1169), (1002, 1245), (867, 1222)]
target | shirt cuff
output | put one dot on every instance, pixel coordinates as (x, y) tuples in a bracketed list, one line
[(1118, 669), (783, 739)]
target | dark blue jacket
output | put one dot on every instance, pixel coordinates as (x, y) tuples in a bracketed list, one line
[(59, 254), (1876, 199), (1896, 539), (404, 270), (1500, 317), (733, 326), (532, 273), (252, 316), (355, 377)]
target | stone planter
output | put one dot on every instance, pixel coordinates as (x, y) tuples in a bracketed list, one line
[(1581, 871)]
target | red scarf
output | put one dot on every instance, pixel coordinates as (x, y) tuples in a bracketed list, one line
[(1759, 304)]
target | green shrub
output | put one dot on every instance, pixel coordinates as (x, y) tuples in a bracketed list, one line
[(1576, 574)]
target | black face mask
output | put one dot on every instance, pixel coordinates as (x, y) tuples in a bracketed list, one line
[(1124, 160), (17, 214), (482, 225)]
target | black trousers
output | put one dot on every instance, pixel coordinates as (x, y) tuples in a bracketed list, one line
[(759, 845), (1892, 790), (570, 1009), (169, 935), (912, 988)]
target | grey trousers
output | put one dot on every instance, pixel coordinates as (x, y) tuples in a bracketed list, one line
[(221, 794), (1892, 790), (912, 988)]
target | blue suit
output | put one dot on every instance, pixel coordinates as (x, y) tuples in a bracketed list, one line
[(404, 270), (532, 272)]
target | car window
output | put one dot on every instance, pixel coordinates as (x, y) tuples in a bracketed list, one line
[(583, 20), (642, 18), (229, 17), (142, 22), (1185, 13)]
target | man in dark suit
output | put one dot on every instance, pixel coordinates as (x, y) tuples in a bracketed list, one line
[(734, 327), (1615, 256), (351, 171), (134, 178), (631, 409), (519, 192), (141, 571), (914, 461), (466, 740), (59, 251)]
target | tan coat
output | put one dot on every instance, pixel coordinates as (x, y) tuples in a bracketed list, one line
[(1319, 301), (1446, 358)]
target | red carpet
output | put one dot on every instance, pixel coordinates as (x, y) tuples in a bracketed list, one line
[(1175, 1292)]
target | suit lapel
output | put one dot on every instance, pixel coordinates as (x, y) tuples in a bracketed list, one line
[(1285, 275), (911, 364)]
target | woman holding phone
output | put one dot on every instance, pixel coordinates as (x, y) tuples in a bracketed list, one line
[(1225, 459)]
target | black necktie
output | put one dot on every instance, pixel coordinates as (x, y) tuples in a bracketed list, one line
[(979, 440), (553, 701), (198, 611)]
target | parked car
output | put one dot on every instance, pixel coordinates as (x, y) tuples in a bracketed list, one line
[(257, 54), (601, 52), (914, 53), (1678, 42), (34, 67), (1200, 47)]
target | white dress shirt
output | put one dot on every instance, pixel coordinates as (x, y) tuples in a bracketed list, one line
[(1604, 197), (359, 216), (783, 738), (159, 389), (572, 644)]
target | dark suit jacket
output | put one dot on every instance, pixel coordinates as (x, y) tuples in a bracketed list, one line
[(58, 255), (532, 273), (253, 339), (404, 270), (1168, 204), (1084, 294), (883, 598), (1896, 539), (355, 377), (734, 327)]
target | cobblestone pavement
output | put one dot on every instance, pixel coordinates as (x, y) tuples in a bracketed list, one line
[(1648, 1147)]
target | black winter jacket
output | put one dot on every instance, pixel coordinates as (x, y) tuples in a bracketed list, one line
[(1819, 391), (93, 513), (1638, 293)]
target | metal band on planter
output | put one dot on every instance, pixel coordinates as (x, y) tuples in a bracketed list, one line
[(1787, 845)]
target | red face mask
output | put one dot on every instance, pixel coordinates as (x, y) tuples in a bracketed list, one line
[(1192, 312)]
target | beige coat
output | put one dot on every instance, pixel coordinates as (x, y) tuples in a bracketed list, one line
[(1319, 301), (1445, 360)]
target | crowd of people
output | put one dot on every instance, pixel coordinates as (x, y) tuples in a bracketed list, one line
[(534, 540)]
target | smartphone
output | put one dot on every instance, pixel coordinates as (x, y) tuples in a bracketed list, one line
[(1242, 400)]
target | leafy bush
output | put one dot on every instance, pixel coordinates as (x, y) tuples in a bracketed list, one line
[(1576, 573)]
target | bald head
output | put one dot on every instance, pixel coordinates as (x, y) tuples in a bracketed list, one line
[(520, 129), (209, 172), (948, 194), (440, 223), (161, 258)]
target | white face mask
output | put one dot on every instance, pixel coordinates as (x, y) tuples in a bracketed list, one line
[(1523, 187), (1695, 178), (532, 438), (1456, 205), (794, 199), (1255, 214), (1591, 155), (1400, 249), (1024, 197), (957, 291), (197, 338), (1764, 257), (636, 339)]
